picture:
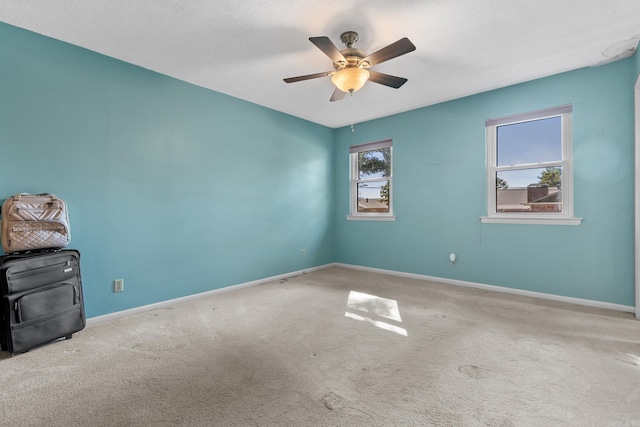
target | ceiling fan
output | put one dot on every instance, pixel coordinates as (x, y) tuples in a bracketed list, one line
[(352, 65)]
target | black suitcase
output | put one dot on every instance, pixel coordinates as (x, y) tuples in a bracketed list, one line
[(41, 298)]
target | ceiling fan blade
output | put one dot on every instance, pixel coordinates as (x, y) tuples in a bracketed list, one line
[(329, 49), (394, 50), (307, 77), (337, 95), (386, 79)]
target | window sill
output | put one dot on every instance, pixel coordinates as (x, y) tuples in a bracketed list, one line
[(537, 220), (371, 218)]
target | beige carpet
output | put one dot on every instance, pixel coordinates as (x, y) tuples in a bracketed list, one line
[(337, 347)]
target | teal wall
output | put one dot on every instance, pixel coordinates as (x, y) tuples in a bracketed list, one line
[(440, 192), (175, 188), (180, 190)]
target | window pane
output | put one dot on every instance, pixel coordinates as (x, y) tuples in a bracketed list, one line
[(374, 163), (373, 196), (530, 142), (529, 190)]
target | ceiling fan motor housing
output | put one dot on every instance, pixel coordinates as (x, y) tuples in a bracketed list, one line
[(354, 59)]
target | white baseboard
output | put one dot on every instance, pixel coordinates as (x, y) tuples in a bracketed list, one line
[(118, 314), (552, 297), (579, 301)]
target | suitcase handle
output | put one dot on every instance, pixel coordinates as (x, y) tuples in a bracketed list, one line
[(18, 196)]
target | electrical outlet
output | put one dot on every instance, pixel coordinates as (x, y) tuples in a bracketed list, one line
[(303, 253), (118, 285)]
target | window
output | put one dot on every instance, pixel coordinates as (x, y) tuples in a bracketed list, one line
[(371, 181), (529, 168)]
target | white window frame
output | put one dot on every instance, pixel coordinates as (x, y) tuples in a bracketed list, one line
[(354, 150), (566, 217)]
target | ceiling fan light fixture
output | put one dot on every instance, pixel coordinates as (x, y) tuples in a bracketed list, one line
[(350, 79)]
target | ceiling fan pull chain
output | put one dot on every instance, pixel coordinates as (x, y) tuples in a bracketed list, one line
[(353, 130)]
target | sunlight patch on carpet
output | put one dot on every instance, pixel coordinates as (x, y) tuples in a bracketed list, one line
[(375, 306)]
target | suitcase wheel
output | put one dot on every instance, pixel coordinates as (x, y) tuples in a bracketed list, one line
[(68, 337)]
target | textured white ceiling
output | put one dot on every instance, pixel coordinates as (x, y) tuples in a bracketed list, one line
[(245, 48)]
